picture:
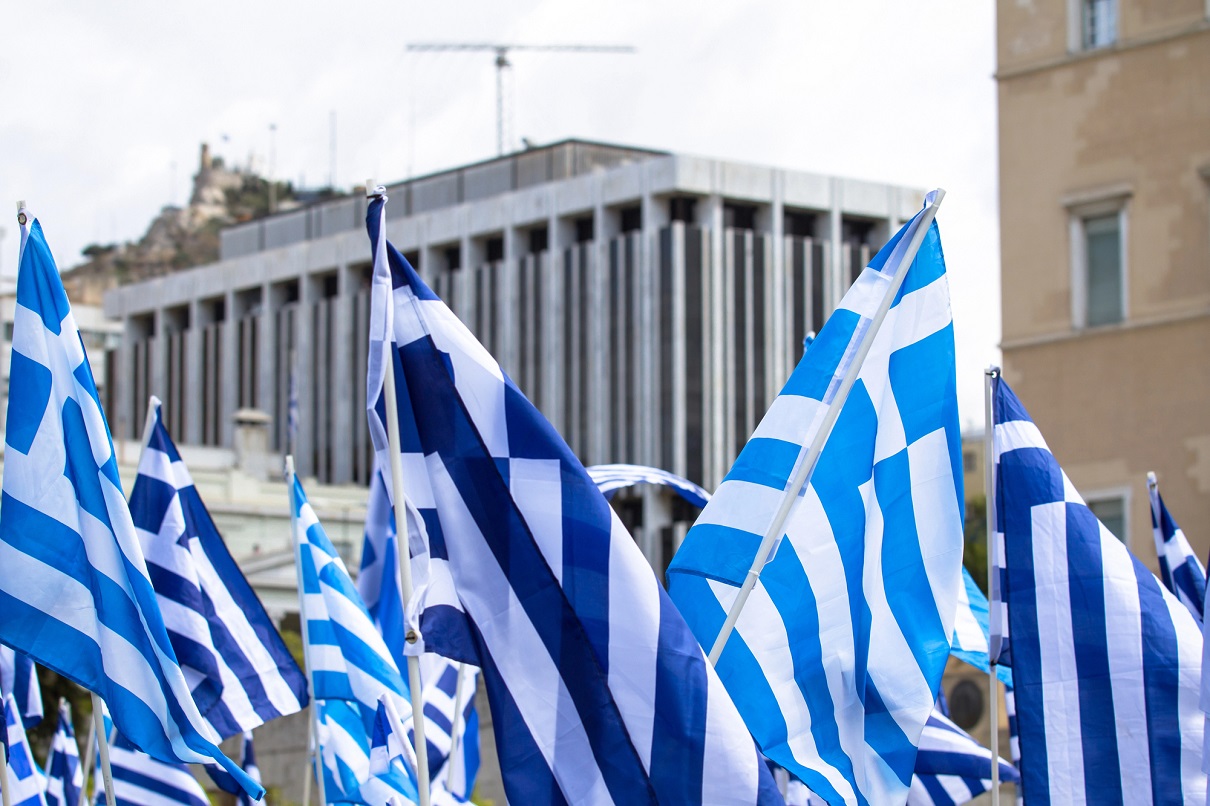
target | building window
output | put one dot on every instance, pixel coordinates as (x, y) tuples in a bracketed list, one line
[(1099, 23), (1111, 511), (1098, 257)]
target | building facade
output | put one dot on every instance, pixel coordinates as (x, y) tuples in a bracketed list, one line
[(1105, 247), (650, 304)]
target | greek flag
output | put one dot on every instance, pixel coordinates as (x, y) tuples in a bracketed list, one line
[(599, 691), (75, 592), (1180, 568), (348, 658), (970, 641), (140, 780), (378, 583), (24, 784), (64, 776), (611, 478), (951, 767), (248, 761), (19, 676), (836, 660), (346, 757), (240, 673), (1106, 662)]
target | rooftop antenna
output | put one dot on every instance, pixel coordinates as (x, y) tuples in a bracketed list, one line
[(502, 62)]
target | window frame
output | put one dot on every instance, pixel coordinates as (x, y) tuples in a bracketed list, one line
[(1078, 213), (1078, 29), (1107, 494)]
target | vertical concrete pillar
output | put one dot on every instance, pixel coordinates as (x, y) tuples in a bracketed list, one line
[(266, 355), (194, 375), (230, 370), (835, 284), (715, 435), (158, 382), (342, 435), (304, 366)]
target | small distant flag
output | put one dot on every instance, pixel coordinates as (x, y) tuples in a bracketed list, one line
[(19, 676), (25, 784), (1180, 569), (140, 780), (64, 775)]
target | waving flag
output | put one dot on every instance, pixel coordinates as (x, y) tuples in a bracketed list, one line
[(951, 767), (837, 657), (1180, 568), (240, 673), (378, 584), (75, 592), (599, 691), (346, 757), (64, 776), (611, 478), (24, 785), (19, 676), (226, 783), (1106, 662), (970, 641), (140, 780)]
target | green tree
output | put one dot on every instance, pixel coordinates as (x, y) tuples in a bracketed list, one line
[(974, 549)]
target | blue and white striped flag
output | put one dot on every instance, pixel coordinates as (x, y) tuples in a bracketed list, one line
[(1180, 569), (378, 583), (24, 784), (248, 761), (19, 676), (348, 658), (75, 593), (239, 670), (346, 753), (599, 691), (611, 478), (837, 657), (970, 641), (64, 775), (951, 767), (1106, 662), (140, 780)]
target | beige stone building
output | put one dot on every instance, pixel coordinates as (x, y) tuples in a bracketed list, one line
[(1105, 245)]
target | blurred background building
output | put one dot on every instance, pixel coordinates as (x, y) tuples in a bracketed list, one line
[(1105, 247)]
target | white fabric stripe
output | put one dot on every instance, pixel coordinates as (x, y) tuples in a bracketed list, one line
[(145, 765), (761, 628), (1065, 770), (536, 486), (791, 418), (938, 523), (1123, 628), (968, 635), (723, 745), (526, 667), (865, 295), (1017, 434), (754, 518), (633, 651)]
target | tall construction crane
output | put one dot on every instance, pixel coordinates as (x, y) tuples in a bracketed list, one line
[(502, 62)]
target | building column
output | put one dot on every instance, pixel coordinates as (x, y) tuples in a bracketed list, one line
[(715, 425), (777, 328), (193, 375), (158, 382), (230, 384), (266, 356), (834, 286), (304, 365), (342, 434)]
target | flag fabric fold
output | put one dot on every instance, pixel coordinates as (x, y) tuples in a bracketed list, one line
[(346, 757), (951, 767), (1106, 662), (1180, 569), (239, 670), (836, 660), (611, 478), (64, 775), (599, 691), (19, 676), (75, 589), (25, 784)]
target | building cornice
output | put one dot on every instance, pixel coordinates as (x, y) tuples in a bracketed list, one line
[(1105, 330), (1117, 48)]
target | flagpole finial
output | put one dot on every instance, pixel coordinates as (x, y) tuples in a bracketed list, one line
[(1151, 479), (373, 190), (22, 213)]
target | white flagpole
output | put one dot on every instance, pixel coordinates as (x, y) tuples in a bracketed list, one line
[(88, 759), (313, 747), (805, 468), (454, 769), (403, 555), (6, 798), (989, 499), (98, 724), (310, 758)]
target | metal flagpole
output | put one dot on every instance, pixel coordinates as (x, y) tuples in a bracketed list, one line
[(989, 502), (98, 724), (310, 755), (403, 554), (454, 771), (313, 747), (803, 475), (88, 758)]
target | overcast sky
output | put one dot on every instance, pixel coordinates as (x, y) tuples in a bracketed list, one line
[(103, 105)]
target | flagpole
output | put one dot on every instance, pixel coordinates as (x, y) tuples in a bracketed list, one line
[(313, 747), (403, 555), (989, 503), (6, 798), (88, 758), (307, 778), (153, 403), (98, 724), (454, 768), (807, 467)]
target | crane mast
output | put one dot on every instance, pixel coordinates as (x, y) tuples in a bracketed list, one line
[(502, 63)]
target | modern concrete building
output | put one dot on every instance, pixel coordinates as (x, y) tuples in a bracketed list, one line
[(1105, 244), (650, 304)]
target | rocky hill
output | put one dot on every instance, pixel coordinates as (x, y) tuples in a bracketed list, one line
[(180, 237)]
